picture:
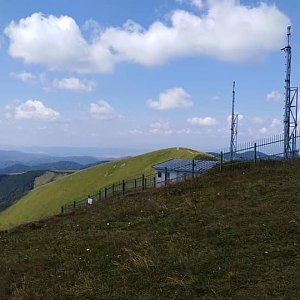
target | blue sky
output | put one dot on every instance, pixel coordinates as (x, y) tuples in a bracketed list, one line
[(142, 74)]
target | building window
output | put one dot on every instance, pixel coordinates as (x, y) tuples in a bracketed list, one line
[(158, 174)]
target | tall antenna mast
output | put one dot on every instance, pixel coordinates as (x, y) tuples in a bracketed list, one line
[(291, 104), (234, 126)]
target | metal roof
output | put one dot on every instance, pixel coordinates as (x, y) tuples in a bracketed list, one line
[(185, 165)]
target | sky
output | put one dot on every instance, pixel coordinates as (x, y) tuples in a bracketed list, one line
[(143, 75)]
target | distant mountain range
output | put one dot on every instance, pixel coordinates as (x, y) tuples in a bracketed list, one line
[(20, 170), (18, 162)]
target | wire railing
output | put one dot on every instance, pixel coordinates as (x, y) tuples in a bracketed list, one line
[(270, 148), (146, 181)]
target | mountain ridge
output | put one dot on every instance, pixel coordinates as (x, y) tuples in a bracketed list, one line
[(88, 181), (9, 158)]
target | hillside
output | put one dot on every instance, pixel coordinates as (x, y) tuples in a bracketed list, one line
[(47, 199), (13, 187), (230, 235)]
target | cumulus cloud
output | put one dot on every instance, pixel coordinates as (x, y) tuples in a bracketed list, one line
[(102, 110), (31, 110), (226, 30), (56, 42), (74, 84), (172, 98), (206, 121), (275, 96)]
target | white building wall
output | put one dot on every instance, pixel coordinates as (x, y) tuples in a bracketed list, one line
[(172, 176)]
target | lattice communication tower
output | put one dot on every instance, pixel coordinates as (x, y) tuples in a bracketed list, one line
[(234, 126), (291, 105)]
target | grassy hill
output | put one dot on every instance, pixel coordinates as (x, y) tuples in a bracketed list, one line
[(47, 199), (49, 176), (13, 187), (230, 235)]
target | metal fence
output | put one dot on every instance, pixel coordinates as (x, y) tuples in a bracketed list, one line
[(271, 148), (146, 181)]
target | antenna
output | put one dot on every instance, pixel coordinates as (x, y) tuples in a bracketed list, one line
[(291, 105), (234, 126)]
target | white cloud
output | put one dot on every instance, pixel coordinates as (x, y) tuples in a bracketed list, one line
[(172, 98), (275, 96), (103, 111), (206, 121), (24, 76), (31, 110), (227, 30), (56, 42), (160, 128), (74, 84)]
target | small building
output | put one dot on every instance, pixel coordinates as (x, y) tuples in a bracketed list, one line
[(177, 169)]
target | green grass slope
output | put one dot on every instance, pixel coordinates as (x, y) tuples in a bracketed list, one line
[(12, 187), (49, 176), (230, 235), (47, 199)]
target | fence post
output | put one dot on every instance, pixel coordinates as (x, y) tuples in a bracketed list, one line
[(193, 168), (154, 181), (135, 184), (62, 210), (166, 177), (74, 204), (143, 181), (113, 188), (105, 193), (99, 195), (221, 160), (255, 153), (123, 187)]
